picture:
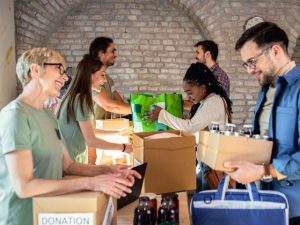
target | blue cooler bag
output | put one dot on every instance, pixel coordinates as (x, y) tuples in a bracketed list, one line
[(239, 207)]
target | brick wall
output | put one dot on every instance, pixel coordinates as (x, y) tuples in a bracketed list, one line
[(296, 55), (155, 37), (154, 42)]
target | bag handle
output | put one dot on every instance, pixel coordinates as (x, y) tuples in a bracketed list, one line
[(223, 186)]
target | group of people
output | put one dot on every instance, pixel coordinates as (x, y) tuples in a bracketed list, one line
[(33, 158), (37, 150)]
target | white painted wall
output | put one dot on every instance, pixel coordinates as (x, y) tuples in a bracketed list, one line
[(7, 53)]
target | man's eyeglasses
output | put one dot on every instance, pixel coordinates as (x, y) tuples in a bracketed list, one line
[(60, 66), (251, 63)]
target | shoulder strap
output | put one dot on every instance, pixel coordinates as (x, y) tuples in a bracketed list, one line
[(226, 110)]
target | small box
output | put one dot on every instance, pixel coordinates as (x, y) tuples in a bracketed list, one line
[(113, 124), (109, 157), (171, 161), (91, 208), (214, 149)]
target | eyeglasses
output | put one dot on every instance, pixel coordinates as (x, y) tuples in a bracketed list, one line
[(60, 66), (251, 63)]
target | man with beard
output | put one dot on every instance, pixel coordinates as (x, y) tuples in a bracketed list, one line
[(107, 101), (264, 50), (207, 53)]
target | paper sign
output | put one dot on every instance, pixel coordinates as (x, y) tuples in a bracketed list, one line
[(65, 218)]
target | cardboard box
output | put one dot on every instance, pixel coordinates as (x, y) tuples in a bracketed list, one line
[(109, 157), (113, 124), (93, 208), (171, 161), (214, 149)]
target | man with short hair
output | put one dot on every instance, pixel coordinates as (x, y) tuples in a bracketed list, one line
[(207, 53), (107, 100), (264, 50)]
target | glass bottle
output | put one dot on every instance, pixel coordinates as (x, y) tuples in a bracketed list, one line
[(152, 203), (173, 212), (214, 127), (168, 212), (230, 129), (163, 211), (143, 213), (248, 130)]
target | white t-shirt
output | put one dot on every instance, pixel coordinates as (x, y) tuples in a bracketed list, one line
[(210, 109)]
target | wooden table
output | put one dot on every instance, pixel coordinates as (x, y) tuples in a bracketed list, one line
[(125, 215)]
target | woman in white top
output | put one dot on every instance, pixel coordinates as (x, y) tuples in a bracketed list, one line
[(210, 102)]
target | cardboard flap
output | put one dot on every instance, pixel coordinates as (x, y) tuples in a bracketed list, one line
[(186, 140)]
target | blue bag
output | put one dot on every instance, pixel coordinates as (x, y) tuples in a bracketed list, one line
[(239, 207)]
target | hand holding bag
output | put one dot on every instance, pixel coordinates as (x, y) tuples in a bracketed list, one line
[(142, 103), (239, 207)]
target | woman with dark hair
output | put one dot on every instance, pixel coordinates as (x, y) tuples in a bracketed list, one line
[(76, 112), (210, 104)]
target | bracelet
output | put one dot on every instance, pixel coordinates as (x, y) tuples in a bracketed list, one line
[(124, 148)]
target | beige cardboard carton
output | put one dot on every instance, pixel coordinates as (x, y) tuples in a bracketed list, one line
[(215, 149), (108, 157), (113, 124), (85, 208), (171, 161)]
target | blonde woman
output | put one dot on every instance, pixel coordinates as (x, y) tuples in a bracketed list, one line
[(32, 155)]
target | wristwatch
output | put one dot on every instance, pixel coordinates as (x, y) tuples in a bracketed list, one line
[(267, 176)]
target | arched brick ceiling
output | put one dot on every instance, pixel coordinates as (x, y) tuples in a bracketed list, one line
[(37, 18)]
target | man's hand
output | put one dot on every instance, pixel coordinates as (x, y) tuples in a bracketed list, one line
[(244, 172)]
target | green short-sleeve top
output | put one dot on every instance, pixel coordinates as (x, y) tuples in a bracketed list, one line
[(23, 127), (99, 112), (71, 132)]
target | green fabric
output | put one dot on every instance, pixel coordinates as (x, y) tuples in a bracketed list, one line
[(141, 103), (23, 127), (100, 113), (71, 132)]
